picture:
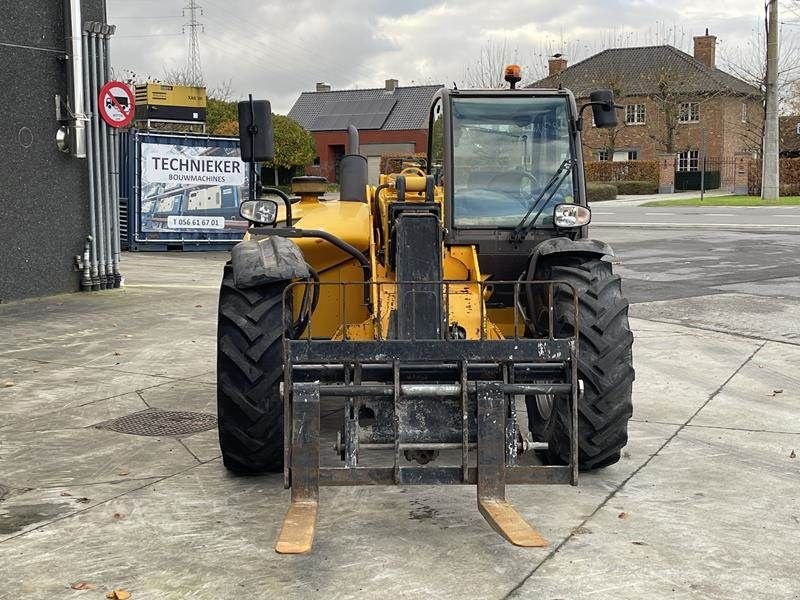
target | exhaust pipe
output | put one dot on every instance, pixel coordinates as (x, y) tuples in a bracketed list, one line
[(73, 34)]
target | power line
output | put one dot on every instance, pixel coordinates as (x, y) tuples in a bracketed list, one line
[(194, 27)]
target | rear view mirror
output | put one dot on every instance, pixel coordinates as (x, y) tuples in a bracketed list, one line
[(603, 109), (255, 130), (263, 212)]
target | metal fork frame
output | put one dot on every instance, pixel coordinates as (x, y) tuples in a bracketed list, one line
[(313, 368)]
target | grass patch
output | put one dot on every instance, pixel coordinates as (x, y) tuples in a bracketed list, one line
[(726, 201)]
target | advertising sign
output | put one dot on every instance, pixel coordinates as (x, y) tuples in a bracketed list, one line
[(191, 188)]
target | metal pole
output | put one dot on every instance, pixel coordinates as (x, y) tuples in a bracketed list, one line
[(95, 128), (75, 70), (770, 175), (95, 283), (105, 199), (113, 150), (702, 163)]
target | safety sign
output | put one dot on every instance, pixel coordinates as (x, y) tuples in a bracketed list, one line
[(115, 104)]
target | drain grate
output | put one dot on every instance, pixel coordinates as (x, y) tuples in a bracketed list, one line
[(155, 422)]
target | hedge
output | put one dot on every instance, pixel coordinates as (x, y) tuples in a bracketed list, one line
[(597, 191), (630, 188), (394, 163), (789, 176), (629, 170)]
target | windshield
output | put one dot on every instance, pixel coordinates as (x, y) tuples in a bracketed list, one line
[(505, 151)]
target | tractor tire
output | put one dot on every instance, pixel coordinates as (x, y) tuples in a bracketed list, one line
[(249, 372), (605, 362)]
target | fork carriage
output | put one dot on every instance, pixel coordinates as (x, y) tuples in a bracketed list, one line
[(422, 397)]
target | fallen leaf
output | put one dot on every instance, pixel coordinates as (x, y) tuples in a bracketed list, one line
[(83, 585), (117, 353), (198, 306), (118, 516), (118, 594), (775, 393), (66, 494), (83, 500), (8, 384), (792, 454), (622, 515), (638, 543), (124, 472)]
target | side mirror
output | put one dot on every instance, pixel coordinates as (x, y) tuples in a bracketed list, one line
[(603, 108), (262, 212), (255, 130)]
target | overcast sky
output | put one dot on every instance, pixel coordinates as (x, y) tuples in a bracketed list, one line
[(276, 49)]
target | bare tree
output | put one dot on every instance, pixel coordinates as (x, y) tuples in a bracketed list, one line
[(487, 71)]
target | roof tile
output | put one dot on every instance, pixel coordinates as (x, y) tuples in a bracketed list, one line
[(638, 71)]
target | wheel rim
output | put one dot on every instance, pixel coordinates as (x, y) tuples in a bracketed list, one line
[(544, 404)]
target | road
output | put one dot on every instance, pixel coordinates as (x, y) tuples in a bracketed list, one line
[(785, 218)]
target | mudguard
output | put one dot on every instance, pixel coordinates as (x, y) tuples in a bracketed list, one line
[(564, 245), (267, 260)]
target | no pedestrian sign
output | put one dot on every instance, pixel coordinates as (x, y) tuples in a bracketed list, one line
[(115, 104)]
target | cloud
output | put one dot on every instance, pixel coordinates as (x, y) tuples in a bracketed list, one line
[(276, 49)]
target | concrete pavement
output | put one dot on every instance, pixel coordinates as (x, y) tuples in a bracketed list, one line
[(702, 505)]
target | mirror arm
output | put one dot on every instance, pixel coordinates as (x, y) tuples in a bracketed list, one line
[(286, 201)]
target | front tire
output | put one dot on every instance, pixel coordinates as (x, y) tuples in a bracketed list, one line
[(249, 371), (605, 362)]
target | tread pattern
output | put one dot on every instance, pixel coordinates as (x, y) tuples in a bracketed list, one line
[(249, 371), (605, 360)]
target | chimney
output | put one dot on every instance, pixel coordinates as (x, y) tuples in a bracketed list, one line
[(705, 49), (323, 87), (556, 64), (391, 85)]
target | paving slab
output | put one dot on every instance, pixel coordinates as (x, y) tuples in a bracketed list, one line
[(771, 318), (205, 534), (714, 515), (678, 368), (764, 395), (40, 388)]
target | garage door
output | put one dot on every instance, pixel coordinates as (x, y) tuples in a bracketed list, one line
[(373, 169)]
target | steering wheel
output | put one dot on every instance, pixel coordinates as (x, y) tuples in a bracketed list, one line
[(525, 202), (416, 171)]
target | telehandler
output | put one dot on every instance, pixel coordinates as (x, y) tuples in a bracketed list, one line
[(431, 311)]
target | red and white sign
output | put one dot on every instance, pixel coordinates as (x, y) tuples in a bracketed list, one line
[(115, 104)]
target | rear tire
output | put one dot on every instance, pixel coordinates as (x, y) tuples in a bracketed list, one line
[(249, 372), (605, 362)]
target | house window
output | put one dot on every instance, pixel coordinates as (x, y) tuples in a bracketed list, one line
[(634, 114), (633, 154), (744, 112), (689, 112), (603, 155), (689, 160)]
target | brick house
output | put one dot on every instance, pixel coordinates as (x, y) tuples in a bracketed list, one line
[(392, 119), (673, 103)]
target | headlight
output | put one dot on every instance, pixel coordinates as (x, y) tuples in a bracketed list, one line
[(263, 212), (571, 215)]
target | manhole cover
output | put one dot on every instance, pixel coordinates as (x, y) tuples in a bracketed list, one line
[(161, 423)]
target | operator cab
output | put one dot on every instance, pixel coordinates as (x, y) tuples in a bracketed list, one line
[(511, 166)]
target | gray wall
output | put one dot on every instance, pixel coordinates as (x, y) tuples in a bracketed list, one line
[(43, 204)]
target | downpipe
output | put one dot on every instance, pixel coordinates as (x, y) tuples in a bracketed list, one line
[(84, 264), (75, 73), (94, 282), (98, 164), (113, 164), (104, 168)]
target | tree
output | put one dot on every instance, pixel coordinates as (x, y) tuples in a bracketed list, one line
[(488, 70), (294, 146), (219, 113)]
